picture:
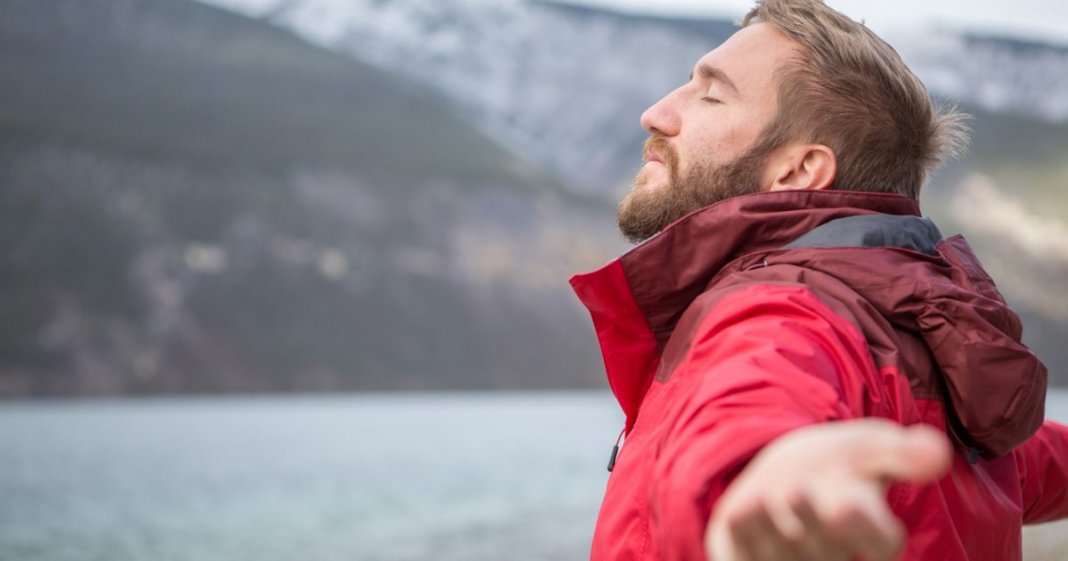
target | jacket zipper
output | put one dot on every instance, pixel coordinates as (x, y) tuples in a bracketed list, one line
[(615, 451)]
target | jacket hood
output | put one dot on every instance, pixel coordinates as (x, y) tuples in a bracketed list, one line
[(994, 386)]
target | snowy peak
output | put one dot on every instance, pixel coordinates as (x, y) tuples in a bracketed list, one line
[(559, 85), (995, 73), (563, 86)]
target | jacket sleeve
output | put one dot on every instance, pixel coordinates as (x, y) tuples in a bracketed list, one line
[(765, 360), (1043, 467)]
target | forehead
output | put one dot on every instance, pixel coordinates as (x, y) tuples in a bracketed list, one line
[(752, 58)]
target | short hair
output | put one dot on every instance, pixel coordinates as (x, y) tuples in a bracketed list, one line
[(850, 91)]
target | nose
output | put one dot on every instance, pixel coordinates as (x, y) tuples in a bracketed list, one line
[(662, 117)]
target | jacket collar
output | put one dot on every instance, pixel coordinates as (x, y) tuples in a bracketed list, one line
[(636, 300)]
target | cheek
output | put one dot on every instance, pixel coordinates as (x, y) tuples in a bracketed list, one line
[(731, 140)]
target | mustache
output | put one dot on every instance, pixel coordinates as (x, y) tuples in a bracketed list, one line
[(659, 146)]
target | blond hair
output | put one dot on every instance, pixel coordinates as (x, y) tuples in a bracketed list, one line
[(850, 91)]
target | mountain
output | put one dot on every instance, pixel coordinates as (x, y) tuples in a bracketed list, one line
[(387, 194), (193, 201), (563, 86), (999, 74)]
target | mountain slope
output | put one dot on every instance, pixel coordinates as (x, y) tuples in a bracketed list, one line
[(72, 68), (564, 85), (551, 81), (994, 73), (192, 201)]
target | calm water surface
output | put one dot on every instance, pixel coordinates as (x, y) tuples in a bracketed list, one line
[(383, 477), (465, 477)]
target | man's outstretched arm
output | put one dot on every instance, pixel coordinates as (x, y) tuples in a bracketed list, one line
[(819, 493)]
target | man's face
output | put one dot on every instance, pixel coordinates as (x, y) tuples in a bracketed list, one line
[(703, 134)]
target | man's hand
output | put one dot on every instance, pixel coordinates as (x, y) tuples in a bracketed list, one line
[(818, 494)]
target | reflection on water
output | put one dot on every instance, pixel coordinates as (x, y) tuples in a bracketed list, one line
[(383, 477)]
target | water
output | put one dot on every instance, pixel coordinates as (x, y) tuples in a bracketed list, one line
[(467, 477), (448, 477)]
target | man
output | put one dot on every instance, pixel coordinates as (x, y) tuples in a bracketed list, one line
[(808, 370)]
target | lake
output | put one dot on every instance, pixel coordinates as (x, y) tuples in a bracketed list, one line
[(390, 477)]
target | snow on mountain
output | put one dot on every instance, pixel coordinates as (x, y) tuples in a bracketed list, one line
[(563, 86), (994, 73)]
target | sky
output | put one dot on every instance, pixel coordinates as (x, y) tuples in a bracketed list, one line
[(1040, 19)]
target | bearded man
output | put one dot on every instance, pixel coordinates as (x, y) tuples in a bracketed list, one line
[(809, 370)]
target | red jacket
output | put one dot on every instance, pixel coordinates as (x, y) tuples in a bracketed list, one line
[(769, 312)]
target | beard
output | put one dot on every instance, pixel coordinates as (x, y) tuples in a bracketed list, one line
[(646, 211)]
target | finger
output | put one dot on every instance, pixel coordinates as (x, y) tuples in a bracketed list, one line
[(755, 536), (805, 512), (865, 526), (789, 540), (816, 544), (787, 522), (917, 454)]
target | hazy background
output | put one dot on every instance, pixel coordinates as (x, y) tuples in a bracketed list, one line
[(309, 197), (321, 195)]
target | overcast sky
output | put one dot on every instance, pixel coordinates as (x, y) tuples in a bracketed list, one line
[(1044, 19)]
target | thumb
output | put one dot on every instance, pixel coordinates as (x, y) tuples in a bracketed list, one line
[(917, 454)]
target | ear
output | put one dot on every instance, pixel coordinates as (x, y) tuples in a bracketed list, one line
[(801, 166)]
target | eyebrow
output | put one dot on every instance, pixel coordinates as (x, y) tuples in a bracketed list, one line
[(710, 72)]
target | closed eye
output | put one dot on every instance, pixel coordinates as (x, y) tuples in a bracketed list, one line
[(712, 100)]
